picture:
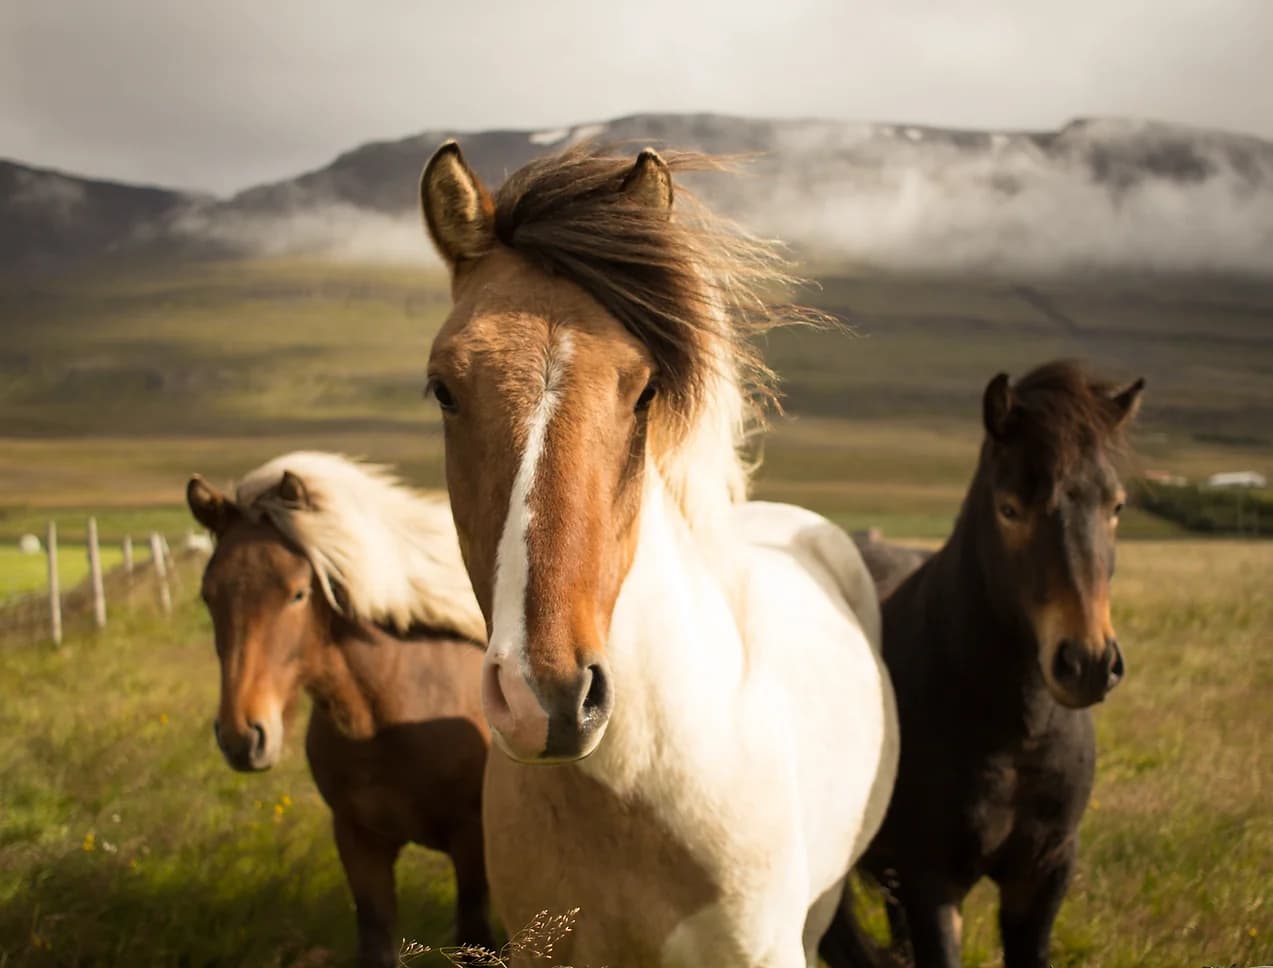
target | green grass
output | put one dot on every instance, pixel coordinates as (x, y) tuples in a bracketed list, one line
[(124, 839), (21, 573)]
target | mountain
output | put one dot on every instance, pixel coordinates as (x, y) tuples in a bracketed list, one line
[(52, 219), (1100, 194)]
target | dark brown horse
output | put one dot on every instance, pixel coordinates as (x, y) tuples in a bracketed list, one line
[(997, 645), (330, 577)]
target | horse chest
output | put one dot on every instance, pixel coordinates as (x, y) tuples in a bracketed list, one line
[(365, 780), (559, 839)]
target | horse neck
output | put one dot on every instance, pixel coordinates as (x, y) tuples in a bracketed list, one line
[(353, 673), (673, 628)]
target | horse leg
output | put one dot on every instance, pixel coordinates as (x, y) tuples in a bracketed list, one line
[(1027, 910), (368, 861), (472, 926), (934, 926)]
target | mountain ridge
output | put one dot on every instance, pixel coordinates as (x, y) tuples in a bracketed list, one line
[(1095, 193)]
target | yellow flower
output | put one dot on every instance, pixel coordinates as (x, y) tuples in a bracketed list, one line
[(90, 842), (1253, 932), (278, 810), (163, 719), (285, 800)]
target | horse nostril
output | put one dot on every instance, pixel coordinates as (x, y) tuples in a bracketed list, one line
[(597, 696), (1067, 665), (1116, 668), (258, 739)]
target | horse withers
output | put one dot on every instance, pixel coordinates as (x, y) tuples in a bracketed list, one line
[(330, 577), (997, 646), (667, 660)]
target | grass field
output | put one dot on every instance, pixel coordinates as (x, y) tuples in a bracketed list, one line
[(124, 839), (21, 573)]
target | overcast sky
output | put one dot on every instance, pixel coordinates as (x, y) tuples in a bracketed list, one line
[(223, 94)]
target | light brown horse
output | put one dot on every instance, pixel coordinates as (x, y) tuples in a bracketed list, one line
[(667, 660), (330, 577)]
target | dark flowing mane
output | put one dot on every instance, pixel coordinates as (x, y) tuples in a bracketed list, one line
[(693, 287)]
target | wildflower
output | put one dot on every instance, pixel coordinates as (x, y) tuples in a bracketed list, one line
[(163, 719), (90, 842), (285, 800)]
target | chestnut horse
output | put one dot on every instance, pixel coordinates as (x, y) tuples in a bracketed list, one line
[(697, 731), (331, 577), (997, 645)]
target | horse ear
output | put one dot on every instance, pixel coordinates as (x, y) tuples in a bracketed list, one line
[(650, 181), (996, 406), (458, 210), (1127, 402), (209, 506), (294, 492)]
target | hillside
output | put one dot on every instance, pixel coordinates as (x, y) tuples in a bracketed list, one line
[(116, 385)]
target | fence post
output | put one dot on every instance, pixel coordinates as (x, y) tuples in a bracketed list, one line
[(95, 574), (55, 592), (128, 555), (161, 571), (171, 562)]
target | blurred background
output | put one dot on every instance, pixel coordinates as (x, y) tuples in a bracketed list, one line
[(210, 253)]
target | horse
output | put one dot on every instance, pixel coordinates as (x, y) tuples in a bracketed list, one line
[(330, 576), (998, 646), (667, 662), (889, 564)]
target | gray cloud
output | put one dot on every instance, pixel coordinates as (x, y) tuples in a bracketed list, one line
[(219, 96)]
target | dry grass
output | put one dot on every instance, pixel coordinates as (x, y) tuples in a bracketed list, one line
[(125, 840)]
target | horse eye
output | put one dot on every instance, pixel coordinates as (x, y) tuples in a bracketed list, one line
[(1118, 508), (646, 398), (1008, 511), (300, 594), (440, 393)]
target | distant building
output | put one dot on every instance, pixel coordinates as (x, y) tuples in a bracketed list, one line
[(1237, 479), (29, 544), (1166, 477)]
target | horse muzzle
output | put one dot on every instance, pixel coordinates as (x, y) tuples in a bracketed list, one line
[(537, 721)]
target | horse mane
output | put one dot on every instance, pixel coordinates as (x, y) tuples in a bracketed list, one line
[(693, 287), (1063, 414), (392, 552)]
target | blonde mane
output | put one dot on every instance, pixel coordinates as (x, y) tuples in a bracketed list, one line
[(392, 552), (693, 287)]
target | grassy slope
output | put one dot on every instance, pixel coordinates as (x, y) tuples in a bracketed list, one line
[(115, 387), (125, 840)]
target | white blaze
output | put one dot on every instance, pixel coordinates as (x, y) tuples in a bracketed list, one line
[(508, 627)]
